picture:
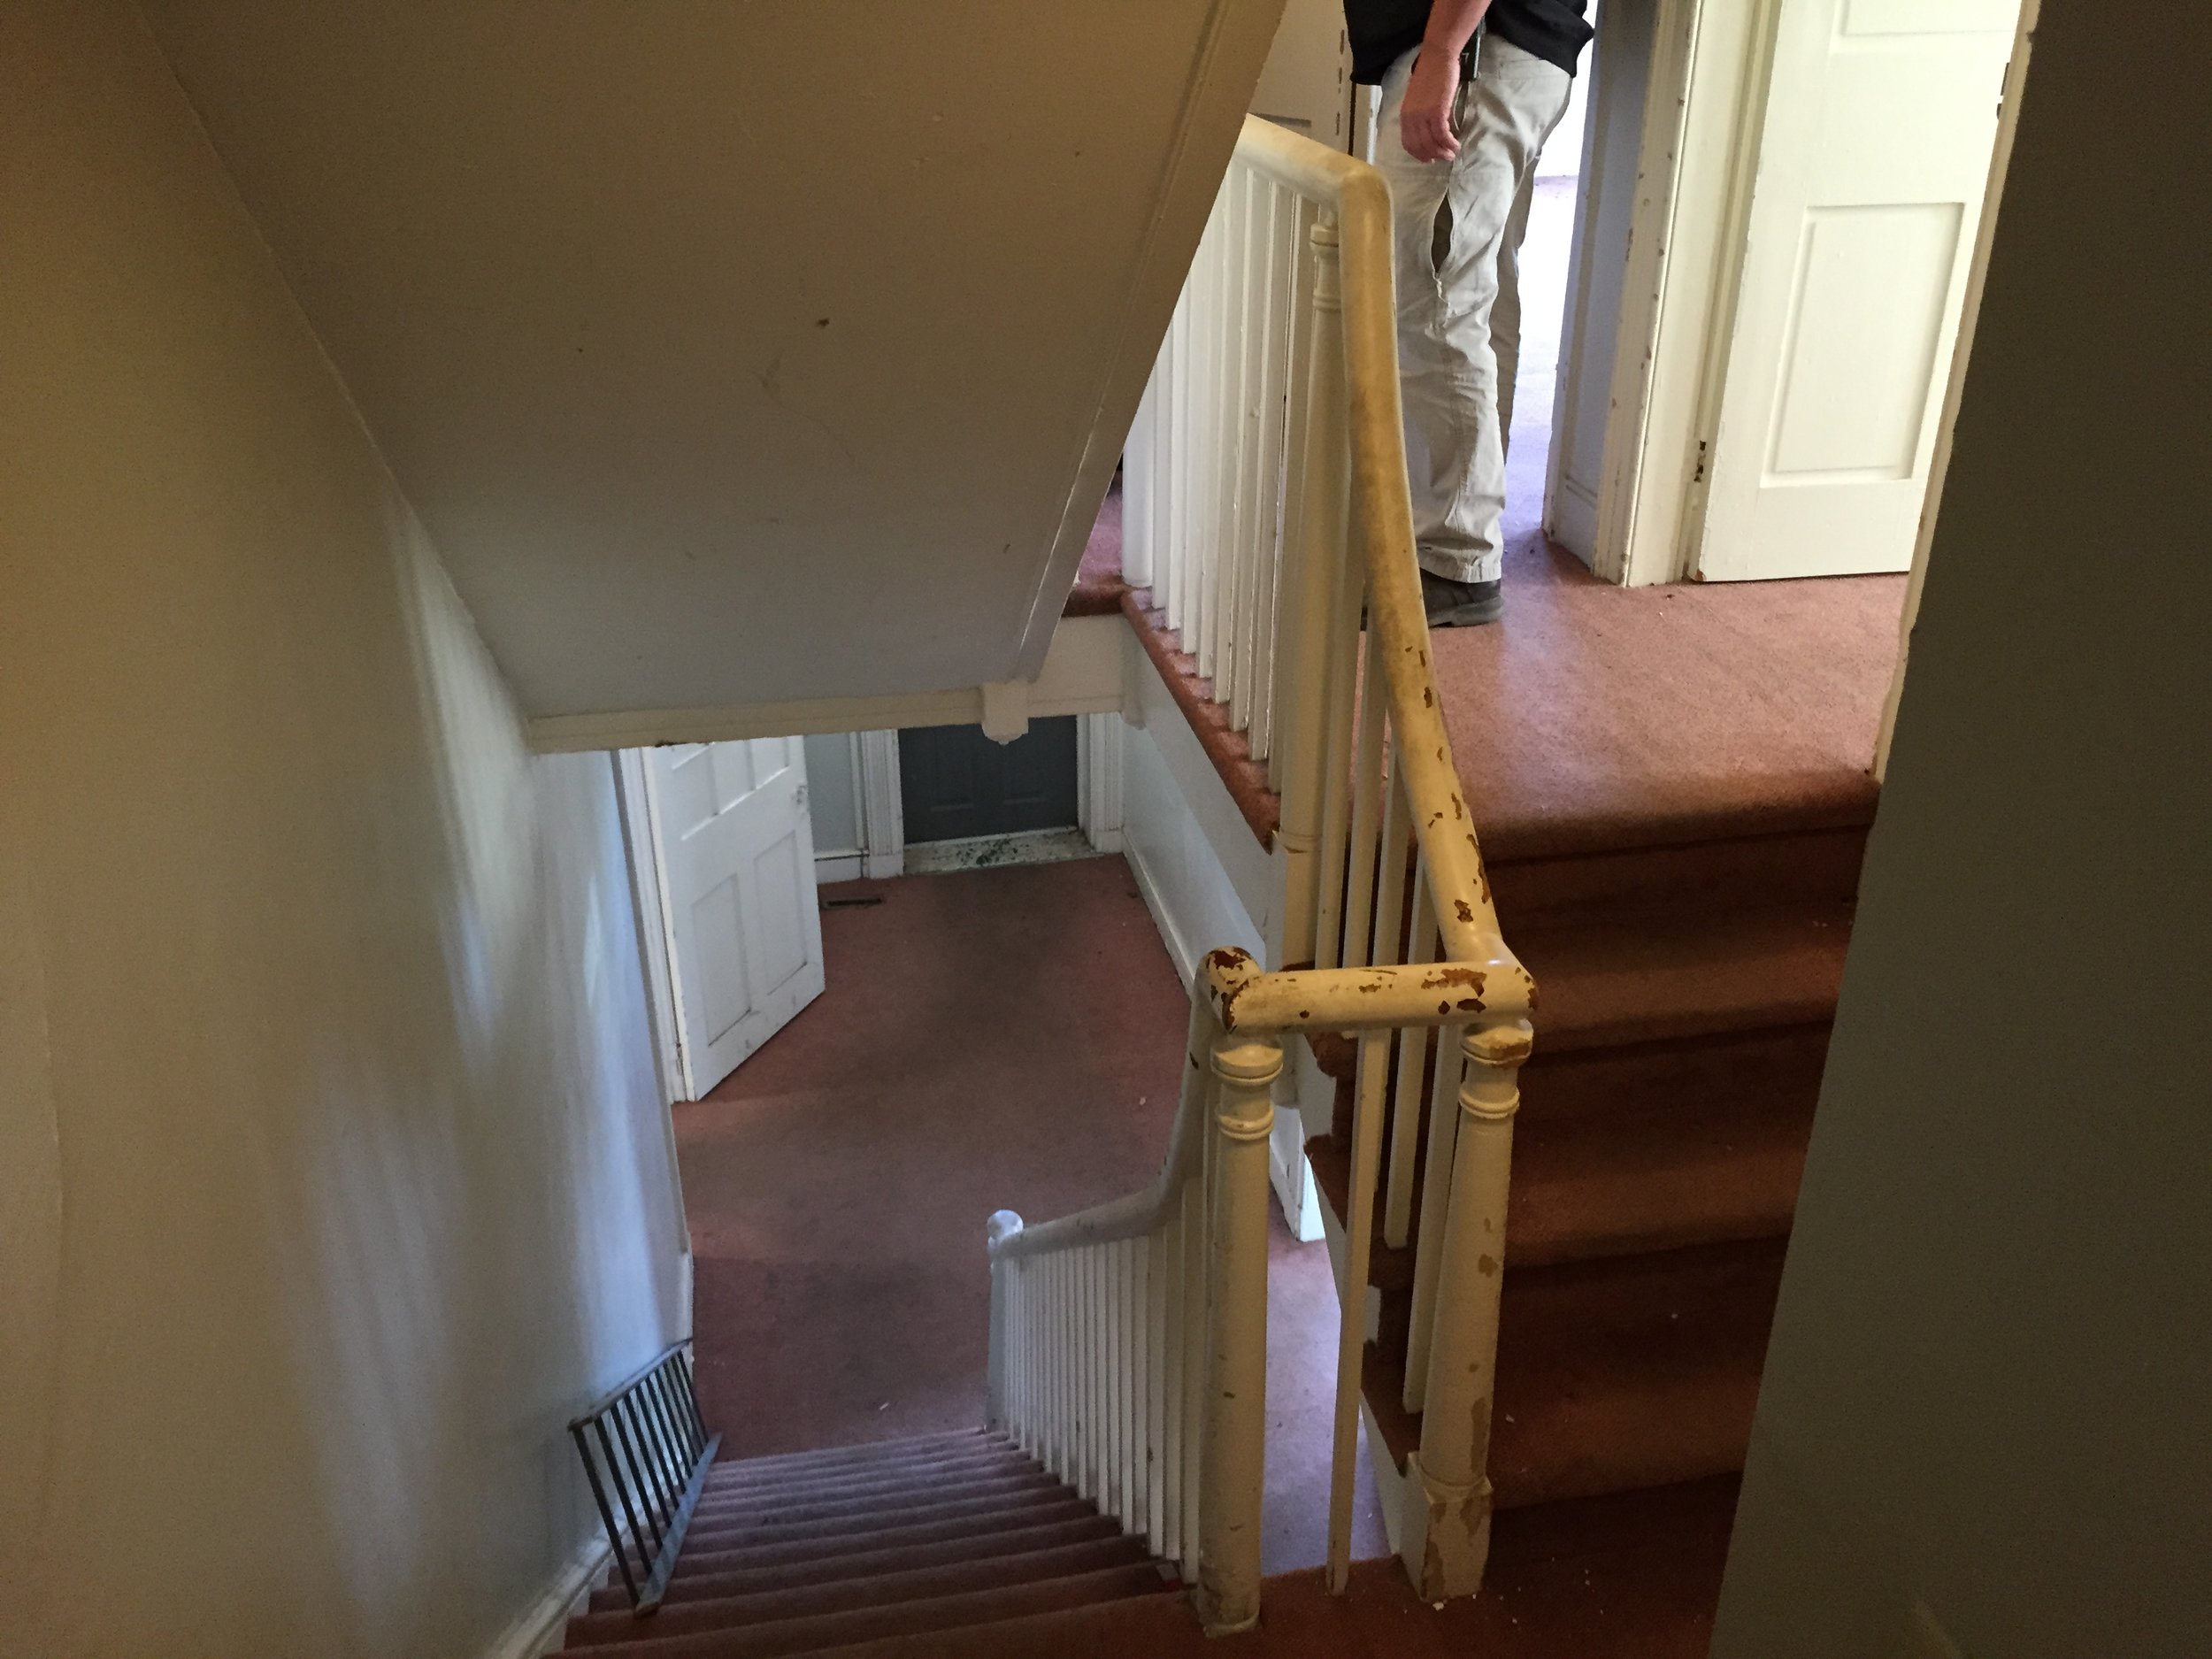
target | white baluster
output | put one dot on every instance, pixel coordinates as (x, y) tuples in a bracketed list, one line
[(1359, 1232), (1367, 804), (1405, 1112), (1314, 575)]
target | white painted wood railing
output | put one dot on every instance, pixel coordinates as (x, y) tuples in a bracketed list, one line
[(1267, 509), (1129, 1343)]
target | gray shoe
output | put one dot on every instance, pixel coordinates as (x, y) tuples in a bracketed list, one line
[(1452, 604)]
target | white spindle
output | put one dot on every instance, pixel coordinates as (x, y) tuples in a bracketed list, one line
[(1158, 1253), (1194, 1346), (1130, 1378), (1174, 1286), (1359, 1228), (1405, 1112), (1367, 805), (1312, 632)]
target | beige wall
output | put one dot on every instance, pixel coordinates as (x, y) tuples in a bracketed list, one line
[(331, 1173), (1990, 1389), (737, 353)]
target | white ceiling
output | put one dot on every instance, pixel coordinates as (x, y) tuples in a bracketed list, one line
[(735, 352)]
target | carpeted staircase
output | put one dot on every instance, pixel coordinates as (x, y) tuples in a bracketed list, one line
[(1687, 991), (883, 1549)]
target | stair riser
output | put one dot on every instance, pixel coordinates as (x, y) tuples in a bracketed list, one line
[(728, 1477), (1596, 1117), (892, 1484), (924, 1445), (1814, 866), (1616, 1376), (882, 1591), (813, 1542), (867, 1507)]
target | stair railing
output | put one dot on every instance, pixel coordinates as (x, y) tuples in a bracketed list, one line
[(1267, 509), (646, 1453), (1129, 1342)]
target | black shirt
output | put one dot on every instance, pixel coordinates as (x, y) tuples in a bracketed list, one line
[(1383, 31)]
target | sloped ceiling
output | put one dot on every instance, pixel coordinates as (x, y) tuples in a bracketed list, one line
[(735, 353)]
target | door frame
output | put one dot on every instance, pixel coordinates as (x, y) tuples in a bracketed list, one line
[(1704, 106), (1704, 111), (648, 899), (648, 909)]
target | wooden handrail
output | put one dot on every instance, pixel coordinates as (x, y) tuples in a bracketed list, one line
[(1494, 990), (1384, 525)]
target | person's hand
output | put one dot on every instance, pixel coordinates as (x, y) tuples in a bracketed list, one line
[(1425, 119)]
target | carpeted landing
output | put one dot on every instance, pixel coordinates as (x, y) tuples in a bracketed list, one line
[(993, 1039)]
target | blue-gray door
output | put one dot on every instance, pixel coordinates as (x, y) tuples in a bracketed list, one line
[(954, 782)]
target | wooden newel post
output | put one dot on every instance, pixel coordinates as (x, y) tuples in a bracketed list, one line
[(1451, 1464), (1235, 1431)]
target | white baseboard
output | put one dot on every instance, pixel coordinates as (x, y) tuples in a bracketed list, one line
[(831, 868), (1179, 948), (543, 1626)]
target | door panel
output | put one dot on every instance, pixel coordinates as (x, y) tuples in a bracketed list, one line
[(1880, 118), (738, 858)]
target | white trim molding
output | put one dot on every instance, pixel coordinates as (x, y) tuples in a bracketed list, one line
[(882, 806), (1081, 675), (1098, 749), (542, 1627)]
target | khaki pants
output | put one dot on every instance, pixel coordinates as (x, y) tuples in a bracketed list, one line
[(1459, 226)]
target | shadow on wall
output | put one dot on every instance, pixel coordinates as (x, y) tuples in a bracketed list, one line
[(333, 1173)]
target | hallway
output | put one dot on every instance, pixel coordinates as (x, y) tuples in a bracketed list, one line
[(1000, 1039)]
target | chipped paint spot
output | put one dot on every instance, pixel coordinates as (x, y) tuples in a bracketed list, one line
[(1471, 979), (1443, 1007), (1466, 910), (1486, 1265), (1428, 698), (1472, 1004)]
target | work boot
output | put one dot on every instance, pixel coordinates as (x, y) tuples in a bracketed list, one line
[(1452, 604)]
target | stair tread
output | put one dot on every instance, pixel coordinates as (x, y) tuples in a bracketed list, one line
[(827, 1631), (756, 1608), (865, 1451), (784, 1508), (861, 1563), (822, 1542), (838, 1463), (904, 1471)]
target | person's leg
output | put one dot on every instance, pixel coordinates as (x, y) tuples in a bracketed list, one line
[(1505, 310), (1417, 198), (1518, 99)]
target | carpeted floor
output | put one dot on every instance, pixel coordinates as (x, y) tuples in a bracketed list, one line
[(1594, 713), (1594, 710), (837, 1184)]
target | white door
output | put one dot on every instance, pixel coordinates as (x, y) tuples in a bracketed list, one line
[(1880, 116), (737, 867)]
